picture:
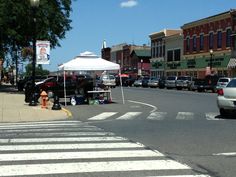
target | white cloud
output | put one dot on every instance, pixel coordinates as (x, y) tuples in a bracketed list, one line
[(129, 3)]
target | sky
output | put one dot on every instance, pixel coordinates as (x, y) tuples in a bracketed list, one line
[(127, 21)]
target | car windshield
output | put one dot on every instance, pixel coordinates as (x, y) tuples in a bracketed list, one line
[(223, 80), (232, 83), (171, 78)]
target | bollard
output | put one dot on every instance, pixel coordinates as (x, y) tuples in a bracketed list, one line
[(44, 99)]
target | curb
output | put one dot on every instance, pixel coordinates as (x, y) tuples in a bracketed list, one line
[(69, 114)]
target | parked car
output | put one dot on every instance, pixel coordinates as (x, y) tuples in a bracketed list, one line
[(129, 82), (153, 82), (145, 81), (183, 82), (138, 83), (222, 82), (170, 82), (21, 84), (197, 84), (74, 85), (226, 100), (107, 80), (162, 82), (211, 82)]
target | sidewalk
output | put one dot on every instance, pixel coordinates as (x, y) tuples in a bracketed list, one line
[(14, 109)]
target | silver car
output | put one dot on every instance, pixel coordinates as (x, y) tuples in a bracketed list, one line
[(226, 100), (170, 82), (153, 82), (138, 83), (107, 80)]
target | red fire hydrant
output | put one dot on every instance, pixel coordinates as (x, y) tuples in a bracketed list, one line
[(44, 99)]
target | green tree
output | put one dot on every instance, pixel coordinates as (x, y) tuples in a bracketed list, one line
[(39, 71), (17, 20)]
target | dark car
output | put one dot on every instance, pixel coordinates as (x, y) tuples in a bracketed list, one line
[(145, 81), (74, 85), (129, 82), (162, 83), (197, 84), (206, 84), (21, 84)]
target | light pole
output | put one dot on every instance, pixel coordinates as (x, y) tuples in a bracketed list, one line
[(141, 67), (34, 5), (211, 53)]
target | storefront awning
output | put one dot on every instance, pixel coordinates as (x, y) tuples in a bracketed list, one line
[(232, 63)]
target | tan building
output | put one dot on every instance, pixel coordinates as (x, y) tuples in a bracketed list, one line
[(158, 51)]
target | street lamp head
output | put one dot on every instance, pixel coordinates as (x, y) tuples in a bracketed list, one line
[(211, 51), (34, 3)]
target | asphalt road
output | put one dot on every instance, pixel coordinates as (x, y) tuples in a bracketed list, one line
[(156, 133), (198, 140)]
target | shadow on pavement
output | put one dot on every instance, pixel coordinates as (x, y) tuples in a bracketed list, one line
[(11, 89)]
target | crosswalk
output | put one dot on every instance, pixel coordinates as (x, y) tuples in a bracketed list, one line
[(158, 116), (72, 147)]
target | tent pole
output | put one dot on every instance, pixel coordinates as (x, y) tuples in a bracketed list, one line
[(65, 86), (121, 87)]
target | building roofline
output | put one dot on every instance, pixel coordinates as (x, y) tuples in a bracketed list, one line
[(207, 18)]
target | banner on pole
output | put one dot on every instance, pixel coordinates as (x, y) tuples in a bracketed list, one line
[(42, 52)]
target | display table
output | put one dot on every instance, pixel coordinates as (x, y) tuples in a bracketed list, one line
[(105, 93)]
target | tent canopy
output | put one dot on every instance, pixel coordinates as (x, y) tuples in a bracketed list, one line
[(87, 61)]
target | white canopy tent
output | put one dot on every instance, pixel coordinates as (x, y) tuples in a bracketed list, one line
[(87, 61)]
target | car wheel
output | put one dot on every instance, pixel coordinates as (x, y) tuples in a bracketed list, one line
[(223, 112)]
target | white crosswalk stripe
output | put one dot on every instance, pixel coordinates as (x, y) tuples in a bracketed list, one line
[(103, 116), (185, 116), (129, 116), (54, 153), (156, 116)]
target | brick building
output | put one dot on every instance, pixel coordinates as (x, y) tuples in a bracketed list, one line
[(216, 34), (121, 54)]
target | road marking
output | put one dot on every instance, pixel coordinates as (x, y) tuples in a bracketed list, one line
[(129, 115), (41, 122), (64, 139), (185, 116), (212, 116), (157, 116), (49, 134), (71, 146), (137, 102), (39, 126), (88, 167), (79, 155), (183, 176), (226, 154), (49, 129), (103, 116)]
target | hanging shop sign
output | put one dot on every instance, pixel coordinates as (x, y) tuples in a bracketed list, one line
[(42, 52)]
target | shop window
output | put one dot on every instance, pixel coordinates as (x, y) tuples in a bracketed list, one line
[(187, 44), (177, 55), (194, 43), (219, 39), (201, 42), (211, 40), (228, 38), (157, 50), (164, 49), (170, 55)]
